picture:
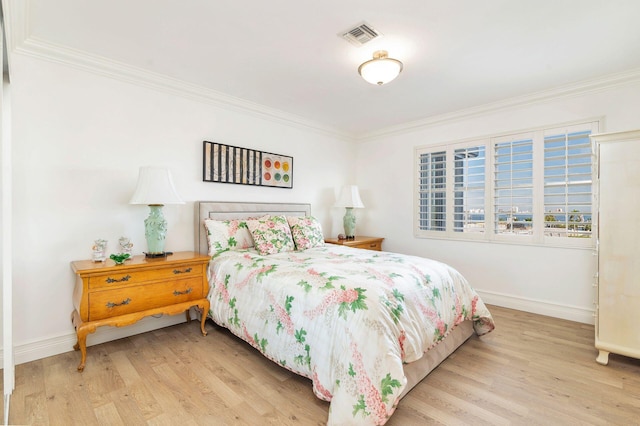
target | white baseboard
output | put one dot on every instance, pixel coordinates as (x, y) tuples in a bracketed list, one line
[(556, 310), (32, 351), (57, 345)]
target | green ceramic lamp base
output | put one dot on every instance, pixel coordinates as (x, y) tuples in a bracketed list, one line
[(349, 222), (155, 231)]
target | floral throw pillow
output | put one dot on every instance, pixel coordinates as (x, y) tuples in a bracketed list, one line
[(306, 232), (227, 235), (271, 235)]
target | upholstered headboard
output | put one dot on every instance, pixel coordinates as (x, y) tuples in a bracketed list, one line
[(223, 210)]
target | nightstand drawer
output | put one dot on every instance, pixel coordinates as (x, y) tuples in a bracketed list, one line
[(374, 245), (129, 278), (367, 243), (110, 303)]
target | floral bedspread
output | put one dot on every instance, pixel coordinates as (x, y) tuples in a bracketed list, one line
[(345, 318)]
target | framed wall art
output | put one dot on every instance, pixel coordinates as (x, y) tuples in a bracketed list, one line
[(233, 164)]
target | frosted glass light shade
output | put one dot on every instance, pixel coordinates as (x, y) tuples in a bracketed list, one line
[(155, 187), (350, 197), (381, 69)]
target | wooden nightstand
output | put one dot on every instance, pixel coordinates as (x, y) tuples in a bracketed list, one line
[(119, 295), (369, 243)]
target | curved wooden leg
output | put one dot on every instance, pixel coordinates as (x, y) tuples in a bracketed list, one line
[(82, 329), (77, 322), (203, 316), (82, 345)]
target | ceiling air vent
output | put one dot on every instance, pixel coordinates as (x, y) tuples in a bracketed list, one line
[(361, 34)]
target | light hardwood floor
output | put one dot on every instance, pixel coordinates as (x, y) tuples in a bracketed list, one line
[(531, 370)]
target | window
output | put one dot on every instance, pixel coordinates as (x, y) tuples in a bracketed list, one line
[(432, 191), (534, 187), (513, 186), (567, 183), (469, 193)]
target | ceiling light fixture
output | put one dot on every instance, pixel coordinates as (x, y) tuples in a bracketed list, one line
[(381, 69)]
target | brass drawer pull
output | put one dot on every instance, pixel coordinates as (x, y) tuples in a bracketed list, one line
[(114, 280), (178, 293), (177, 271), (373, 245), (113, 305)]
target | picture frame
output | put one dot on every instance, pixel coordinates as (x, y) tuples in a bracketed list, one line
[(224, 163)]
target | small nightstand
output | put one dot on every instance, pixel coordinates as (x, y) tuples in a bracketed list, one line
[(119, 295), (369, 243)]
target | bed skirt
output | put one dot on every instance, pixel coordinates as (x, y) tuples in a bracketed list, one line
[(418, 370)]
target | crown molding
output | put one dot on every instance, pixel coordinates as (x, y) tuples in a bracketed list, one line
[(570, 90), (42, 49), (21, 41), (15, 21), (15, 25)]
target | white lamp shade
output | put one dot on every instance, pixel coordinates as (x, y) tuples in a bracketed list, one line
[(155, 186), (350, 197), (381, 69)]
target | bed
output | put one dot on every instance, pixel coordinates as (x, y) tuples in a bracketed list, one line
[(364, 326)]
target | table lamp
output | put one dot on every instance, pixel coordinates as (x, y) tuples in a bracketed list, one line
[(349, 199), (155, 189)]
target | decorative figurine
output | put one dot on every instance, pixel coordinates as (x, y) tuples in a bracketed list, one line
[(99, 250), (126, 246)]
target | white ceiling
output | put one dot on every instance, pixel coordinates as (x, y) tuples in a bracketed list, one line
[(286, 54)]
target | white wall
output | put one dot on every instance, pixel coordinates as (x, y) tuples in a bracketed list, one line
[(550, 281), (79, 139)]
